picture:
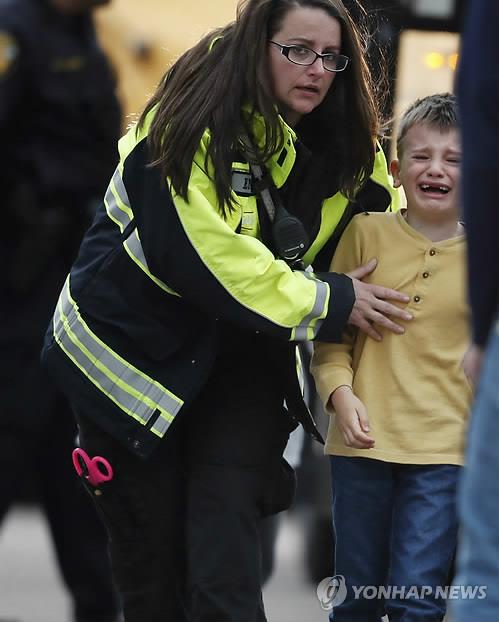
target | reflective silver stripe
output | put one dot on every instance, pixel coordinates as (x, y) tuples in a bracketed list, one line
[(311, 322), (161, 425), (120, 188), (134, 249), (299, 369), (117, 202), (132, 390), (122, 215)]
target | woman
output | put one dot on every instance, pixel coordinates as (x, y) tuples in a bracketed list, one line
[(172, 334)]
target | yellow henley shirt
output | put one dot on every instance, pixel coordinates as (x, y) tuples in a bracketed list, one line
[(415, 392)]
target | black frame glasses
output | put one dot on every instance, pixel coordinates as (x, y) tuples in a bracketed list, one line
[(330, 56)]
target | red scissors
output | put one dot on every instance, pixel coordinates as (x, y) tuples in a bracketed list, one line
[(96, 470)]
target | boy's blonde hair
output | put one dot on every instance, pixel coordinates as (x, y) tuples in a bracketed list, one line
[(439, 111)]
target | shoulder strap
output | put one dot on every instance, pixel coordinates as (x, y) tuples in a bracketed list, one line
[(290, 238)]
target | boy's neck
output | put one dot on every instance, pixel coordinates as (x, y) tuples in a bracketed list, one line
[(436, 230)]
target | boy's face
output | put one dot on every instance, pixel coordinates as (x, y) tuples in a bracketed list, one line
[(429, 171)]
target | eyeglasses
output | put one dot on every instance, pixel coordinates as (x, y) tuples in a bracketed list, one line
[(300, 55)]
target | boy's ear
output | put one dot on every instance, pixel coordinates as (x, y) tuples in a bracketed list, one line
[(395, 171)]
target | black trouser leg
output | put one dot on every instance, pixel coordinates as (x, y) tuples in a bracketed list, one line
[(13, 456), (28, 400), (79, 536), (223, 532), (236, 433), (185, 523), (268, 534), (37, 434), (144, 509)]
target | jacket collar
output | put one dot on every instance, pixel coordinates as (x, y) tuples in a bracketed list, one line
[(281, 163)]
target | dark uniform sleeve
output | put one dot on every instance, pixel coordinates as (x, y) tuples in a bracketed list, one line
[(11, 74), (478, 91), (14, 87)]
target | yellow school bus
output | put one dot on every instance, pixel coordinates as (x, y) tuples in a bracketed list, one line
[(143, 37), (426, 64)]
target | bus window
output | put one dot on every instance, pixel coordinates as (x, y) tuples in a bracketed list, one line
[(426, 65)]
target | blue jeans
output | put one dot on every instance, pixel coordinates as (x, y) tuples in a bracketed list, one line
[(395, 525), (478, 553)]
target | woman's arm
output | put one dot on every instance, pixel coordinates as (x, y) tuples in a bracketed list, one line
[(190, 249)]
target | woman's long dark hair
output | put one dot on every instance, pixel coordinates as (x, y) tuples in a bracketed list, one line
[(228, 68)]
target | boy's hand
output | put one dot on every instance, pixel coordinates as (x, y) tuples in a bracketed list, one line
[(351, 416), (472, 363), (370, 305)]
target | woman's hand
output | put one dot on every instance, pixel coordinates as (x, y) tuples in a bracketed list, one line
[(370, 305), (351, 417)]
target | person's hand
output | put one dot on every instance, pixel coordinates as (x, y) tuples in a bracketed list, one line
[(472, 363), (371, 306), (351, 417)]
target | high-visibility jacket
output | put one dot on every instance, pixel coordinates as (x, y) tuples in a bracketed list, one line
[(134, 333)]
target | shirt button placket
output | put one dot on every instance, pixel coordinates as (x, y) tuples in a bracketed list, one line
[(425, 274)]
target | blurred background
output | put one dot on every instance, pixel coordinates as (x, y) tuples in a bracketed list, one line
[(419, 40)]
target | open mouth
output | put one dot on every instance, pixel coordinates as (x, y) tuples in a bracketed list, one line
[(309, 89), (435, 188)]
